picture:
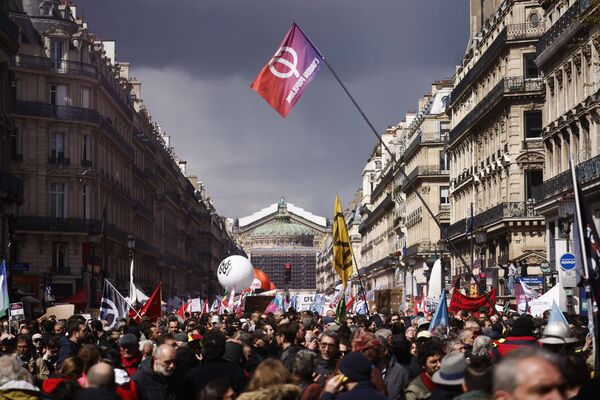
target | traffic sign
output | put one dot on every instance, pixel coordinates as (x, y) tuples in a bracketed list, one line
[(545, 267), (567, 262)]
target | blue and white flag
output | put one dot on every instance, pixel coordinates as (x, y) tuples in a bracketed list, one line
[(441, 313), (556, 314), (4, 300)]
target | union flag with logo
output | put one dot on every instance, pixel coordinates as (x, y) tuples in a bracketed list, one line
[(293, 66)]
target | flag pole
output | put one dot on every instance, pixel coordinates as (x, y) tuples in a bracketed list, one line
[(583, 249), (411, 184), (362, 287)]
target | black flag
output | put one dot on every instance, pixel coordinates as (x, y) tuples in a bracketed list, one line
[(113, 305)]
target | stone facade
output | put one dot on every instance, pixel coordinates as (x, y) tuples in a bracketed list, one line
[(495, 146), (284, 234), (91, 156), (427, 165), (568, 55)]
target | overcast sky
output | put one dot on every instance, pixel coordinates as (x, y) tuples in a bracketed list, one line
[(197, 58)]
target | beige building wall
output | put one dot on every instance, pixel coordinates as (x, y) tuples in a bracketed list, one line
[(427, 167), (568, 55), (86, 148), (495, 145)]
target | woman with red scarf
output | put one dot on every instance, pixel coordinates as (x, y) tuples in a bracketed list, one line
[(429, 354)]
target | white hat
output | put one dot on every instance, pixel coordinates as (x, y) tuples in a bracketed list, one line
[(215, 319), (424, 334)]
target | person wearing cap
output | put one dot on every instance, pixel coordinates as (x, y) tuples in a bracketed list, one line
[(370, 346), (450, 377), (429, 355), (131, 356), (353, 382), (521, 335)]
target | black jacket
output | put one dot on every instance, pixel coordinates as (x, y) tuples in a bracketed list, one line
[(210, 371), (362, 391), (152, 386), (66, 349)]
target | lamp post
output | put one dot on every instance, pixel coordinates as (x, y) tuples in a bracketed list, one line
[(565, 216), (14, 212)]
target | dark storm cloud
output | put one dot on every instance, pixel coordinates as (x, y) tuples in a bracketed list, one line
[(196, 59)]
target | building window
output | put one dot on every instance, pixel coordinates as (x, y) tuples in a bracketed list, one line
[(57, 200), (86, 198), (60, 256), (58, 95), (57, 146), (85, 97), (533, 124), (15, 145), (533, 178), (444, 195), (444, 161), (86, 148), (56, 53), (530, 67), (534, 20)]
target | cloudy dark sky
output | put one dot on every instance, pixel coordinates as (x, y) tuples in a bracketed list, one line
[(197, 58)]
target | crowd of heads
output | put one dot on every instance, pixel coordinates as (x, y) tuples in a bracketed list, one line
[(298, 355)]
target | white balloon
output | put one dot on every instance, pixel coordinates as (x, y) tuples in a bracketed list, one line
[(235, 272)]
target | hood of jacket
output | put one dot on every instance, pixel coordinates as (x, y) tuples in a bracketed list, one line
[(275, 392)]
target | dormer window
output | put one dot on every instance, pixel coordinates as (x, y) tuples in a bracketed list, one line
[(56, 53), (47, 8)]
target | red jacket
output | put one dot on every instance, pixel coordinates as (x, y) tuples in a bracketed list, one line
[(127, 391), (505, 346)]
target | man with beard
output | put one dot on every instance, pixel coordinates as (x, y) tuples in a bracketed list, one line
[(154, 381), (329, 353), (68, 346)]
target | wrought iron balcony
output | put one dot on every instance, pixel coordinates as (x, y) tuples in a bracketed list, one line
[(57, 66), (424, 170), (507, 86), (518, 209), (571, 16), (586, 172), (45, 110), (50, 224), (53, 160)]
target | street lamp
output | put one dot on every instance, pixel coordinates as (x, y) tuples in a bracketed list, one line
[(565, 216)]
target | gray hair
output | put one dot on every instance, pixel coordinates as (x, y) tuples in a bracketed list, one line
[(482, 345), (330, 334), (507, 375), (144, 343), (304, 364), (10, 370)]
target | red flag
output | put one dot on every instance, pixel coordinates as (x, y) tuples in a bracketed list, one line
[(182, 310), (460, 302), (294, 65), (152, 308)]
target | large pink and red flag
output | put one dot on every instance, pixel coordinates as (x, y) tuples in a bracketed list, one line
[(295, 64)]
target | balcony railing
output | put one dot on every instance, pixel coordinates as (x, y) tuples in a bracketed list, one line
[(508, 85), (497, 213), (524, 31), (421, 247), (586, 172), (426, 170), (59, 161), (45, 110), (50, 224), (562, 24), (57, 66)]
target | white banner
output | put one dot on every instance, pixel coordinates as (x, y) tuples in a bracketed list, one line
[(305, 301), (195, 305)]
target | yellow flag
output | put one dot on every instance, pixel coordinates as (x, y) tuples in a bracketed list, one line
[(342, 248)]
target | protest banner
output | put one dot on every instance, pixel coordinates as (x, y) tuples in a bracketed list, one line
[(460, 302)]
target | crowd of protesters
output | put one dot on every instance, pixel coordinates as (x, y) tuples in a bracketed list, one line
[(298, 355)]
